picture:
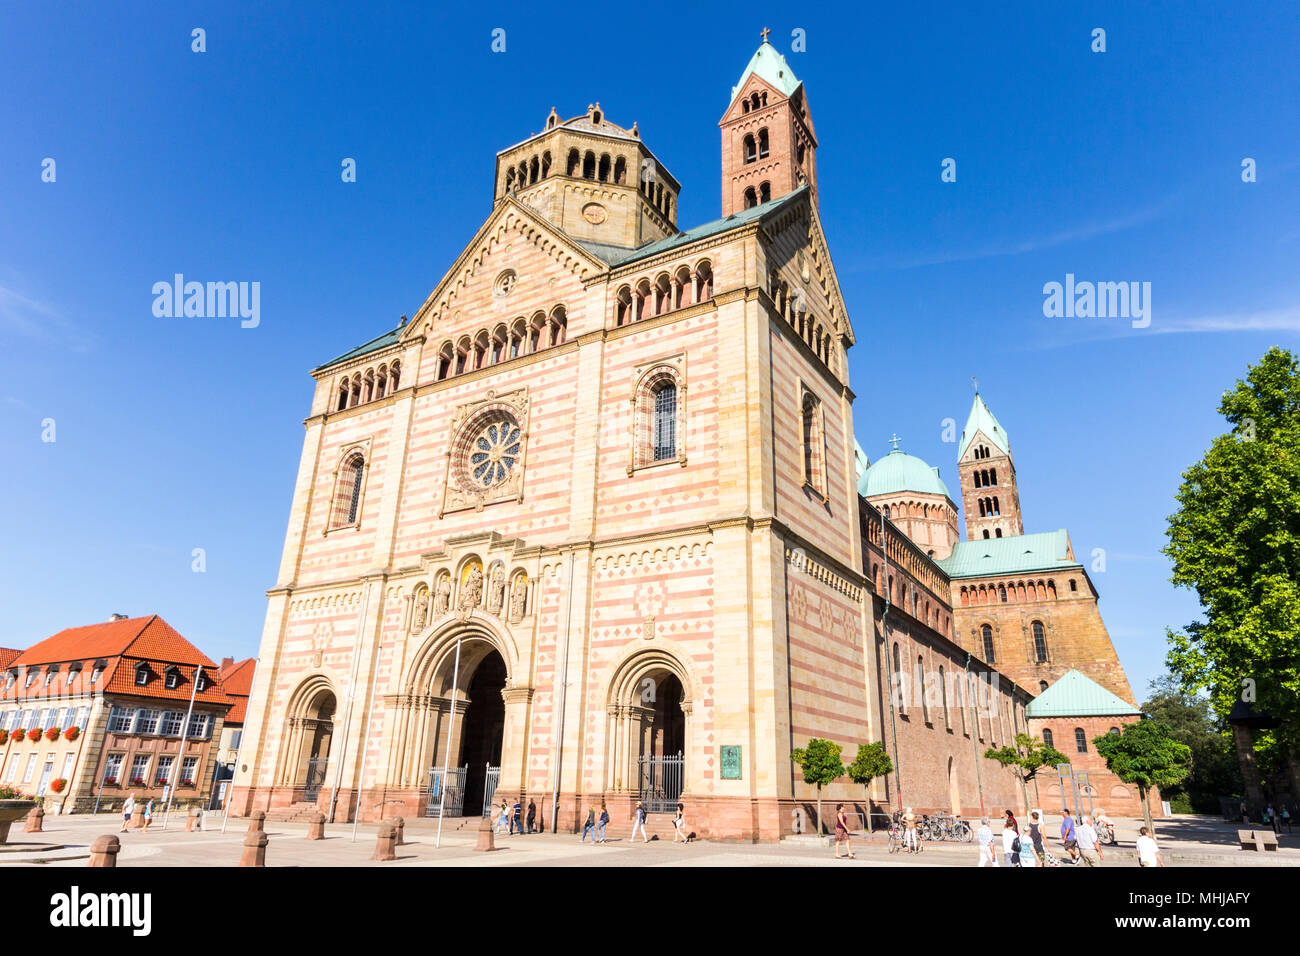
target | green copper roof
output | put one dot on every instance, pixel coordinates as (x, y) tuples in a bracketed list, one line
[(899, 471), (619, 256), (1075, 695), (982, 420), (374, 345), (770, 67), (1046, 551)]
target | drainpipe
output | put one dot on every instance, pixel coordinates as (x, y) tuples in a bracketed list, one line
[(564, 685), (979, 776)]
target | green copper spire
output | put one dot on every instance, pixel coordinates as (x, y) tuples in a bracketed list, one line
[(982, 420), (771, 68)]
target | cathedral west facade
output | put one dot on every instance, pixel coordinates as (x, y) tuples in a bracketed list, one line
[(592, 525)]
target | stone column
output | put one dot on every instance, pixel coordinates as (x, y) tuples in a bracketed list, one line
[(514, 746), (103, 852)]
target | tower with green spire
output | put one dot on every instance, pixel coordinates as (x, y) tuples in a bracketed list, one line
[(990, 498)]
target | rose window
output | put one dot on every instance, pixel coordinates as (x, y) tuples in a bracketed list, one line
[(494, 453)]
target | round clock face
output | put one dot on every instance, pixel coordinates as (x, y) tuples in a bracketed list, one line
[(594, 213)]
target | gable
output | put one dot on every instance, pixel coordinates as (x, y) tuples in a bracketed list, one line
[(752, 84), (980, 438), (816, 272)]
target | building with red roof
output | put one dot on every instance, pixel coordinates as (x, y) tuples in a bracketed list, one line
[(237, 682), (96, 712)]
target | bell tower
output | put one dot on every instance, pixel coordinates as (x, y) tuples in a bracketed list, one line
[(989, 494), (769, 147)]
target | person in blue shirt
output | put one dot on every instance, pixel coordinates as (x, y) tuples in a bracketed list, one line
[(1069, 839)]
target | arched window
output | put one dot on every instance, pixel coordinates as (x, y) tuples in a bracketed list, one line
[(703, 282), (623, 306), (997, 532), (1042, 686), (446, 355), (1047, 738), (762, 143), (1073, 585), (976, 475), (943, 690), (574, 163), (813, 445), (589, 165), (1040, 643), (605, 163), (920, 688), (1080, 740), (898, 677), (559, 325), (1002, 593), (665, 421), (765, 192), (986, 532), (347, 492), (751, 198), (751, 153), (620, 170), (987, 633), (993, 476)]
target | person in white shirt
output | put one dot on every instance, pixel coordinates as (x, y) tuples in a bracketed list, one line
[(1009, 837), (1148, 852), (1089, 850), (984, 836)]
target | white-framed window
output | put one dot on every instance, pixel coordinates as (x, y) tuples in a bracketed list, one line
[(72, 672), (69, 760), (172, 723), (113, 769), (10, 679), (173, 679), (140, 769), (236, 738), (52, 718), (15, 718), (95, 674), (198, 728), (33, 719), (45, 776), (164, 774), (119, 720), (83, 718), (31, 769), (189, 767), (141, 675), (13, 769), (50, 674), (31, 677), (201, 682), (146, 721)]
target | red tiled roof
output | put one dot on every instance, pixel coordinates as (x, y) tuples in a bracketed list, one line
[(7, 654), (237, 681), (144, 637)]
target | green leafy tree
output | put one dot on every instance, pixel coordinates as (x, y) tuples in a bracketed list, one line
[(1145, 754), (821, 765), (1026, 759), (1215, 772), (871, 762), (1235, 540)]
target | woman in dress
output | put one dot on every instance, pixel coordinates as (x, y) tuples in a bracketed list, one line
[(679, 825), (842, 832)]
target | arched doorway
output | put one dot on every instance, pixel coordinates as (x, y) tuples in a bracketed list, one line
[(649, 729), (483, 731), (315, 732)]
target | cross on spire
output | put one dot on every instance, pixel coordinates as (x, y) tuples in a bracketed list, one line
[(895, 440), (765, 31), (976, 383)]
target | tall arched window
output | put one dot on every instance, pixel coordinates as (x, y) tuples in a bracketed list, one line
[(813, 446), (920, 688), (765, 192), (1040, 643), (943, 690), (1080, 740), (762, 143), (1047, 738), (347, 492), (898, 677), (751, 152), (751, 198), (987, 633), (665, 421)]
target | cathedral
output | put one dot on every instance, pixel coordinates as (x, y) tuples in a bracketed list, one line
[(592, 526)]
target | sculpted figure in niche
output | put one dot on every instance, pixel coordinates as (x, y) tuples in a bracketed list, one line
[(471, 594), (442, 600), (497, 595), (517, 596), (421, 610)]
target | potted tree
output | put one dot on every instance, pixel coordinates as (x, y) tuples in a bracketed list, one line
[(14, 806)]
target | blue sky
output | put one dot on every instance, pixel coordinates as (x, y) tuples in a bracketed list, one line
[(175, 434)]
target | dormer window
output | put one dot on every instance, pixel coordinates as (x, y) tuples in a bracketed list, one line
[(97, 671), (172, 679), (31, 677), (201, 682), (142, 675), (51, 672), (11, 679), (74, 669)]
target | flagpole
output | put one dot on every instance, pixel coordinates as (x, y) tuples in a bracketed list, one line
[(239, 752), (446, 751), (185, 729)]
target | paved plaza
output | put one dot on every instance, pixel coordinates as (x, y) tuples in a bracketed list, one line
[(1185, 841)]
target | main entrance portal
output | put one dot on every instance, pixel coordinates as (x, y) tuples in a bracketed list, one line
[(483, 730)]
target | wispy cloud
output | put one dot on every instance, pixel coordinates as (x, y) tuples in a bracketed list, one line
[(38, 320), (1286, 319)]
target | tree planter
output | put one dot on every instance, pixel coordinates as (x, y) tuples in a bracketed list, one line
[(11, 811)]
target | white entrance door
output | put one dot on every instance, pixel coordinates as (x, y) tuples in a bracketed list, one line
[(45, 776)]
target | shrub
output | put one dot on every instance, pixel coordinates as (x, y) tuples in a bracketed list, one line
[(58, 785)]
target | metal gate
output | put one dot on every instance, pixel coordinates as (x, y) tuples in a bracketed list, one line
[(660, 782), (491, 776), (315, 777), (454, 801)]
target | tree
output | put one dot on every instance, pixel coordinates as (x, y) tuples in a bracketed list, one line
[(1026, 759), (871, 762), (1235, 540), (1145, 754), (1191, 720), (821, 765)]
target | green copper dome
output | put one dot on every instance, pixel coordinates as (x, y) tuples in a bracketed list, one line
[(899, 471)]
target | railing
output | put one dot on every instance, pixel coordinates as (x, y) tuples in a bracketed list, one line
[(491, 775), (451, 803), (660, 782), (315, 777)]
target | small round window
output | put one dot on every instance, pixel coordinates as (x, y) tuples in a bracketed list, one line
[(505, 283)]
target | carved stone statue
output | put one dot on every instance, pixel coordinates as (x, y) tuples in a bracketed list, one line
[(497, 596), (471, 594), (421, 610), (442, 600), (517, 596)]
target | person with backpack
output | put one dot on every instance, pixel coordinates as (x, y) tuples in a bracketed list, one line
[(638, 821), (1010, 844)]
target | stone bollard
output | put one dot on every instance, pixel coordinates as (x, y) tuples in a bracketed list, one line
[(254, 849), (137, 816), (34, 820), (103, 852), (485, 839), (194, 821), (256, 822), (385, 844), (399, 824), (316, 827)]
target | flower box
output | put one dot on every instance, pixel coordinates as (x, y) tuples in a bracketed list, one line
[(137, 781), (52, 733), (72, 733), (33, 735), (110, 781), (187, 783), (4, 736), (58, 785)]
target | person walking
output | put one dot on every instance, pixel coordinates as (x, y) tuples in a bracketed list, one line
[(1037, 838), (984, 837), (1089, 846), (1068, 839), (638, 822), (1027, 852), (589, 826), (601, 824), (517, 818), (1148, 852), (532, 815), (1245, 814), (128, 808), (911, 837), (842, 832), (1010, 844), (1270, 815), (679, 825), (148, 814), (503, 819), (1011, 818), (1286, 818)]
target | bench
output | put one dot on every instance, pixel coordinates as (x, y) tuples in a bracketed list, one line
[(1257, 839)]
